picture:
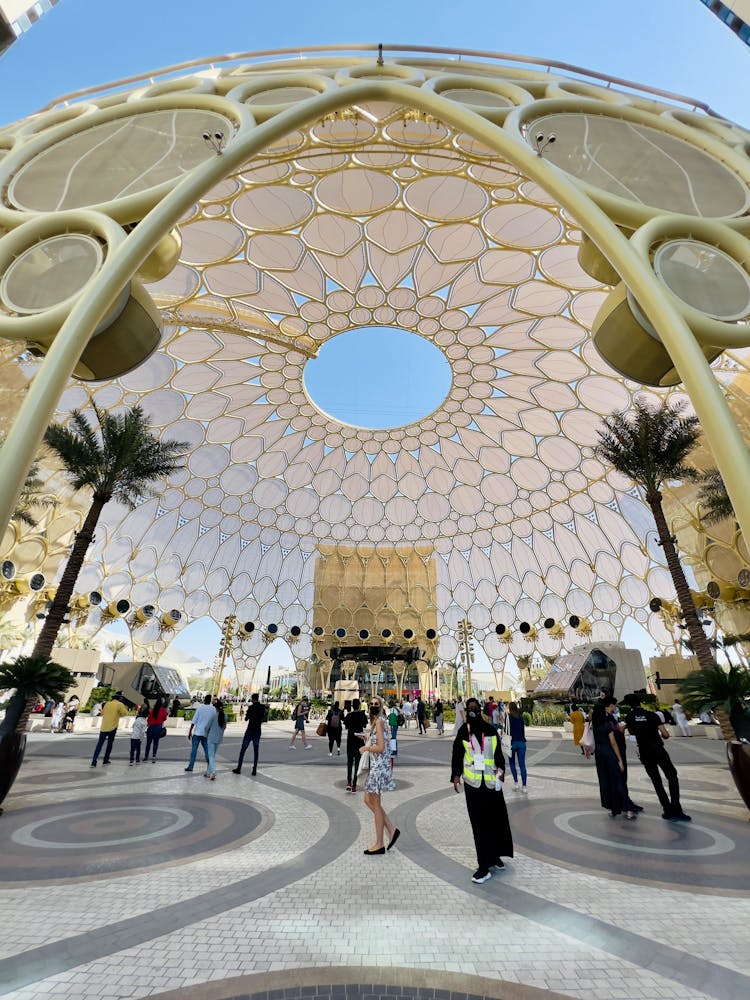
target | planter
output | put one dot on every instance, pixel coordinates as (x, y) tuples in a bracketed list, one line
[(738, 755), (12, 749)]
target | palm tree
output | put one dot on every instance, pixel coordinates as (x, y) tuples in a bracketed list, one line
[(715, 504), (116, 646), (30, 676), (650, 447), (118, 460), (717, 689)]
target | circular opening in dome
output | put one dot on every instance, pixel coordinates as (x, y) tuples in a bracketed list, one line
[(378, 378)]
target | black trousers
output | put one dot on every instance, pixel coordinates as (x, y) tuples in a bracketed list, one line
[(334, 736), (488, 816), (251, 736), (352, 760), (660, 759)]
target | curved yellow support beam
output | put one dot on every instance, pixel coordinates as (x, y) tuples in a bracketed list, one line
[(706, 395)]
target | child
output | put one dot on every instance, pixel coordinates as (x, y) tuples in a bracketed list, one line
[(139, 731)]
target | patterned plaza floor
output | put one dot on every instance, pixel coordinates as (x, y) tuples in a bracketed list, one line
[(128, 882)]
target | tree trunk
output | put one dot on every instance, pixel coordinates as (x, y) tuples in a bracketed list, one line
[(28, 707), (727, 729), (698, 638), (60, 605)]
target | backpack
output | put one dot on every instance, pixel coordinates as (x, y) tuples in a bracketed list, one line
[(335, 722), (393, 718)]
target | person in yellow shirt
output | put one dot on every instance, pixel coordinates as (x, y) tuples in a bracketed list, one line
[(578, 721), (112, 712)]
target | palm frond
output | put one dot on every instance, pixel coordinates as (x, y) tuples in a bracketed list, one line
[(714, 688), (715, 505), (650, 445), (36, 675), (118, 459)]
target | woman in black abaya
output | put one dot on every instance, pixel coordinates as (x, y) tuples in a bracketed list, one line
[(478, 759), (611, 763)]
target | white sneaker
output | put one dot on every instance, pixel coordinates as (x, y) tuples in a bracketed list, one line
[(524, 789), (330, 753), (292, 746), (516, 787), (308, 747)]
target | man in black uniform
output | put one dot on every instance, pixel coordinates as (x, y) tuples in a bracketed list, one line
[(254, 717), (650, 733)]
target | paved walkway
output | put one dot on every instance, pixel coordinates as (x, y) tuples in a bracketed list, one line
[(133, 882)]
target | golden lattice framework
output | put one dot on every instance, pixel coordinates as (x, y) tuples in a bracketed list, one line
[(377, 214)]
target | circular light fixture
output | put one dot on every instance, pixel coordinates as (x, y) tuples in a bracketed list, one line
[(704, 277)]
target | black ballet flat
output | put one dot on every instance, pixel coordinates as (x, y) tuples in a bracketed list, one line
[(380, 850), (394, 838)]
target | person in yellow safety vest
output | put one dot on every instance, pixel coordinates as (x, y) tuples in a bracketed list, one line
[(478, 759)]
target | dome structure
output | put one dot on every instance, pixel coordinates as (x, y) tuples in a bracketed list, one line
[(372, 196)]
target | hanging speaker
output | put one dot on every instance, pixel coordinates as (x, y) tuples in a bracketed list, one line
[(743, 577), (8, 570), (95, 598), (386, 633), (45, 266), (272, 629), (501, 629), (296, 631), (408, 633), (431, 634), (340, 633), (170, 618), (318, 630), (146, 613), (364, 634), (248, 627), (118, 608)]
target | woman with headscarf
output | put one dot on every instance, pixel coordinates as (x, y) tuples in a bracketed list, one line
[(478, 759), (609, 755)]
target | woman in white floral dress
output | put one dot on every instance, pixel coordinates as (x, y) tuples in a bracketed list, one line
[(379, 778)]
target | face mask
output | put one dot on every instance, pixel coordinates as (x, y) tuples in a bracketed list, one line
[(472, 714), (374, 709)]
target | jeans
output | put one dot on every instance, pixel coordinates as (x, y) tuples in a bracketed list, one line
[(197, 741), (153, 735), (518, 749), (247, 739), (135, 750), (109, 739), (211, 756)]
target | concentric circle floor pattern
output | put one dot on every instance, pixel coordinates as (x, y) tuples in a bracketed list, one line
[(268, 879)]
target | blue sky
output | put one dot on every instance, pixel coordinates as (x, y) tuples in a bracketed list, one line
[(676, 45)]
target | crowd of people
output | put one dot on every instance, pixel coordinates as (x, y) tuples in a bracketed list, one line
[(489, 738)]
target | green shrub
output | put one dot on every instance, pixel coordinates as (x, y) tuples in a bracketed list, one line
[(98, 694), (449, 714), (279, 714), (526, 719), (548, 715)]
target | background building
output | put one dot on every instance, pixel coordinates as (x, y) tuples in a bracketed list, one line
[(17, 16)]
